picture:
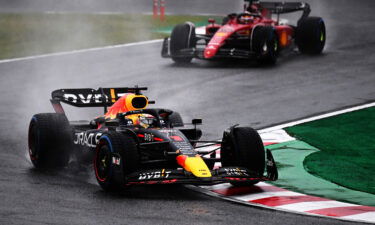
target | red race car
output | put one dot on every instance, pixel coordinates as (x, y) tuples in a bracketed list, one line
[(257, 33)]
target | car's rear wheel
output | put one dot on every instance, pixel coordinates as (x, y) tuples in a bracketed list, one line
[(182, 37), (50, 140), (116, 156), (243, 147), (311, 35), (264, 43)]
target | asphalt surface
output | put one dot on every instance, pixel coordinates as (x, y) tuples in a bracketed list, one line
[(222, 94)]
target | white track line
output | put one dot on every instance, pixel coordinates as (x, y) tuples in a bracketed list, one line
[(228, 185), (307, 206), (81, 51), (316, 117), (251, 197), (367, 216)]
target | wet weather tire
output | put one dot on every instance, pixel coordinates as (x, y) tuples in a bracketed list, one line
[(311, 35), (115, 157), (243, 147), (182, 37), (50, 140), (264, 43)]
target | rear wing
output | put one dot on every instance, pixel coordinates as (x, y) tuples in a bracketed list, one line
[(88, 97), (283, 7), (286, 7)]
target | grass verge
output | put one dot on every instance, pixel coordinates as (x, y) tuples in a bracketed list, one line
[(40, 33)]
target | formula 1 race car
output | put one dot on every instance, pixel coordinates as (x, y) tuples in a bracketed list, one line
[(252, 34), (133, 145)]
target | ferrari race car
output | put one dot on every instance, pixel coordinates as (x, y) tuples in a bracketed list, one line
[(134, 145), (253, 34)]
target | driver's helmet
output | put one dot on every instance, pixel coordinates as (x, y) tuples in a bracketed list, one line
[(146, 120), (143, 120), (245, 18)]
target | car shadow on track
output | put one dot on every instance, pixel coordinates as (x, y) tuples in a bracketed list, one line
[(170, 192), (284, 59), (82, 178)]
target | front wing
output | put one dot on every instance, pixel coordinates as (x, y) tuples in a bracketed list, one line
[(199, 52), (220, 175)]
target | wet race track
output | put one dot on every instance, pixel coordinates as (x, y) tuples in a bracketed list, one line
[(222, 94)]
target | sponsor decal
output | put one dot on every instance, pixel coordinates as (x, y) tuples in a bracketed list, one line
[(269, 163), (167, 130), (203, 172), (87, 139), (89, 98), (176, 138), (185, 148), (221, 34), (154, 175), (243, 32), (148, 137), (116, 160), (226, 29), (236, 172), (215, 41)]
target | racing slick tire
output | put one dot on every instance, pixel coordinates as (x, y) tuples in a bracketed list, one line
[(50, 139), (311, 35), (115, 157), (182, 37), (264, 43), (243, 147)]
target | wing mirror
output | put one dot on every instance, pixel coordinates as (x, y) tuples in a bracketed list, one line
[(211, 20), (196, 121)]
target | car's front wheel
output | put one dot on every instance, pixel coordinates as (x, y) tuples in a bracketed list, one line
[(116, 156), (243, 147), (182, 37), (264, 44)]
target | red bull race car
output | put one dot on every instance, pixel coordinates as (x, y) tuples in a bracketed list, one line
[(257, 33), (132, 144)]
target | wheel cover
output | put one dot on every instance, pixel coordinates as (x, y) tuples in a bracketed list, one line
[(265, 48), (32, 146), (275, 46), (102, 163), (322, 36)]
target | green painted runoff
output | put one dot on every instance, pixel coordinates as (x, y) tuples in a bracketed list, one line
[(293, 176), (347, 149)]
